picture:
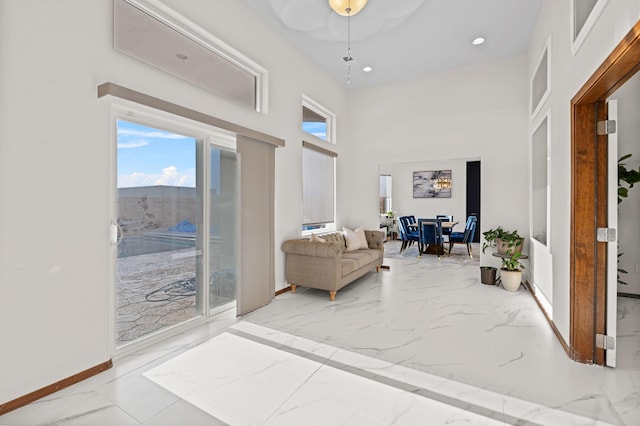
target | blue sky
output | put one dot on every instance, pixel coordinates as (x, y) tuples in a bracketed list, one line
[(316, 128), (149, 156)]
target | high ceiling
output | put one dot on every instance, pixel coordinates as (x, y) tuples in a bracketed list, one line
[(402, 39)]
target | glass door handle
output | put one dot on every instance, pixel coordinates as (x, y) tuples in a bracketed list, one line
[(115, 234)]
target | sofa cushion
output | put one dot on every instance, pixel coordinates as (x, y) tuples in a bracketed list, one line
[(317, 239), (348, 266), (355, 239), (362, 257)]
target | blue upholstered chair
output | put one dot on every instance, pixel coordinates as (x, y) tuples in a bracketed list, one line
[(465, 237), (430, 235), (445, 218), (407, 233)]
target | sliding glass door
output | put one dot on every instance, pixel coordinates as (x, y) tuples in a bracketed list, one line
[(174, 193), (222, 258)]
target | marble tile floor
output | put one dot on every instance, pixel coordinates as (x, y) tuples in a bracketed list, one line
[(423, 343)]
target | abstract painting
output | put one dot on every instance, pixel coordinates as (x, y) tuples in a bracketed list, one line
[(432, 184)]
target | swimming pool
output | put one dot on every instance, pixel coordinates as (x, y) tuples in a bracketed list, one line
[(147, 244)]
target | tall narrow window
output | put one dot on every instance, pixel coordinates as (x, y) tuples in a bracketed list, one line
[(539, 182), (318, 183), (385, 194)]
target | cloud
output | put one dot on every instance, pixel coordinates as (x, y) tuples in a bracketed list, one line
[(133, 144), (151, 134), (170, 176)]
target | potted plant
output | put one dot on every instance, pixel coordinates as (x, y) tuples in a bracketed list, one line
[(511, 271), (502, 240), (488, 275)]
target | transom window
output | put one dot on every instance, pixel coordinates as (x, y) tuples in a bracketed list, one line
[(317, 120)]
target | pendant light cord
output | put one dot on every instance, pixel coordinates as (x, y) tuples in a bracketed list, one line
[(349, 58)]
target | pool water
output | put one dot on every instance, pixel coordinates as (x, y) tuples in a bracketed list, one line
[(145, 244)]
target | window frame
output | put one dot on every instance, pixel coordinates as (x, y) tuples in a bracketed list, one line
[(205, 136), (199, 35), (330, 119), (545, 118), (535, 109), (577, 40)]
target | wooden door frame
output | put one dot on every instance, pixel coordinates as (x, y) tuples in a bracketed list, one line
[(589, 197)]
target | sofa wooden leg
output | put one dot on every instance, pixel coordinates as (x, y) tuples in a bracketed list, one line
[(332, 296), (293, 288), (378, 268)]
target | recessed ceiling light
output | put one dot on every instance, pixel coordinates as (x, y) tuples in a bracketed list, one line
[(478, 41), (367, 69), (181, 56)]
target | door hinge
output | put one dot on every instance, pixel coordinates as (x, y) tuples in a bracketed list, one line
[(606, 127), (606, 235), (605, 342)]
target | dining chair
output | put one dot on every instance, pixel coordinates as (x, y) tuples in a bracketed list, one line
[(465, 237), (430, 234), (445, 218), (407, 234)]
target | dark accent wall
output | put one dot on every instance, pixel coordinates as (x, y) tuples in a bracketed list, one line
[(473, 194)]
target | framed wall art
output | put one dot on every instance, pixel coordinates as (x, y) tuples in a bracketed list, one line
[(432, 184)]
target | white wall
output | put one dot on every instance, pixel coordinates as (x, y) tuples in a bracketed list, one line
[(628, 97), (405, 204), (568, 75), (478, 112), (56, 146)]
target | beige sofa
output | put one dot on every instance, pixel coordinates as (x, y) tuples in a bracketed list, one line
[(328, 265)]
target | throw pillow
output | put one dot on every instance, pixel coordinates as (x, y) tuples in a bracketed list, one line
[(317, 239), (355, 239)]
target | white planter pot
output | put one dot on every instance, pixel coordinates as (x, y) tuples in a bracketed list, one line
[(510, 279)]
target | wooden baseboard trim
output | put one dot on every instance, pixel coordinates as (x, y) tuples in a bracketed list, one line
[(283, 290), (564, 344), (48, 390)]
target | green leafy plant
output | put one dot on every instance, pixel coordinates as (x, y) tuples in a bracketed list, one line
[(512, 239), (511, 261), (629, 177), (621, 271), (490, 237)]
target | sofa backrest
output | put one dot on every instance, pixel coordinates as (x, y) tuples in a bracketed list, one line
[(336, 238)]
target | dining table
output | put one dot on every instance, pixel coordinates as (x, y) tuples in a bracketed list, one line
[(433, 248)]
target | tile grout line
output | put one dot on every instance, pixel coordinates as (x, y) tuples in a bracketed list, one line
[(288, 398), (397, 384), (437, 396)]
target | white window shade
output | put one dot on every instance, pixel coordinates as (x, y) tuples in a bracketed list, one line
[(318, 185)]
